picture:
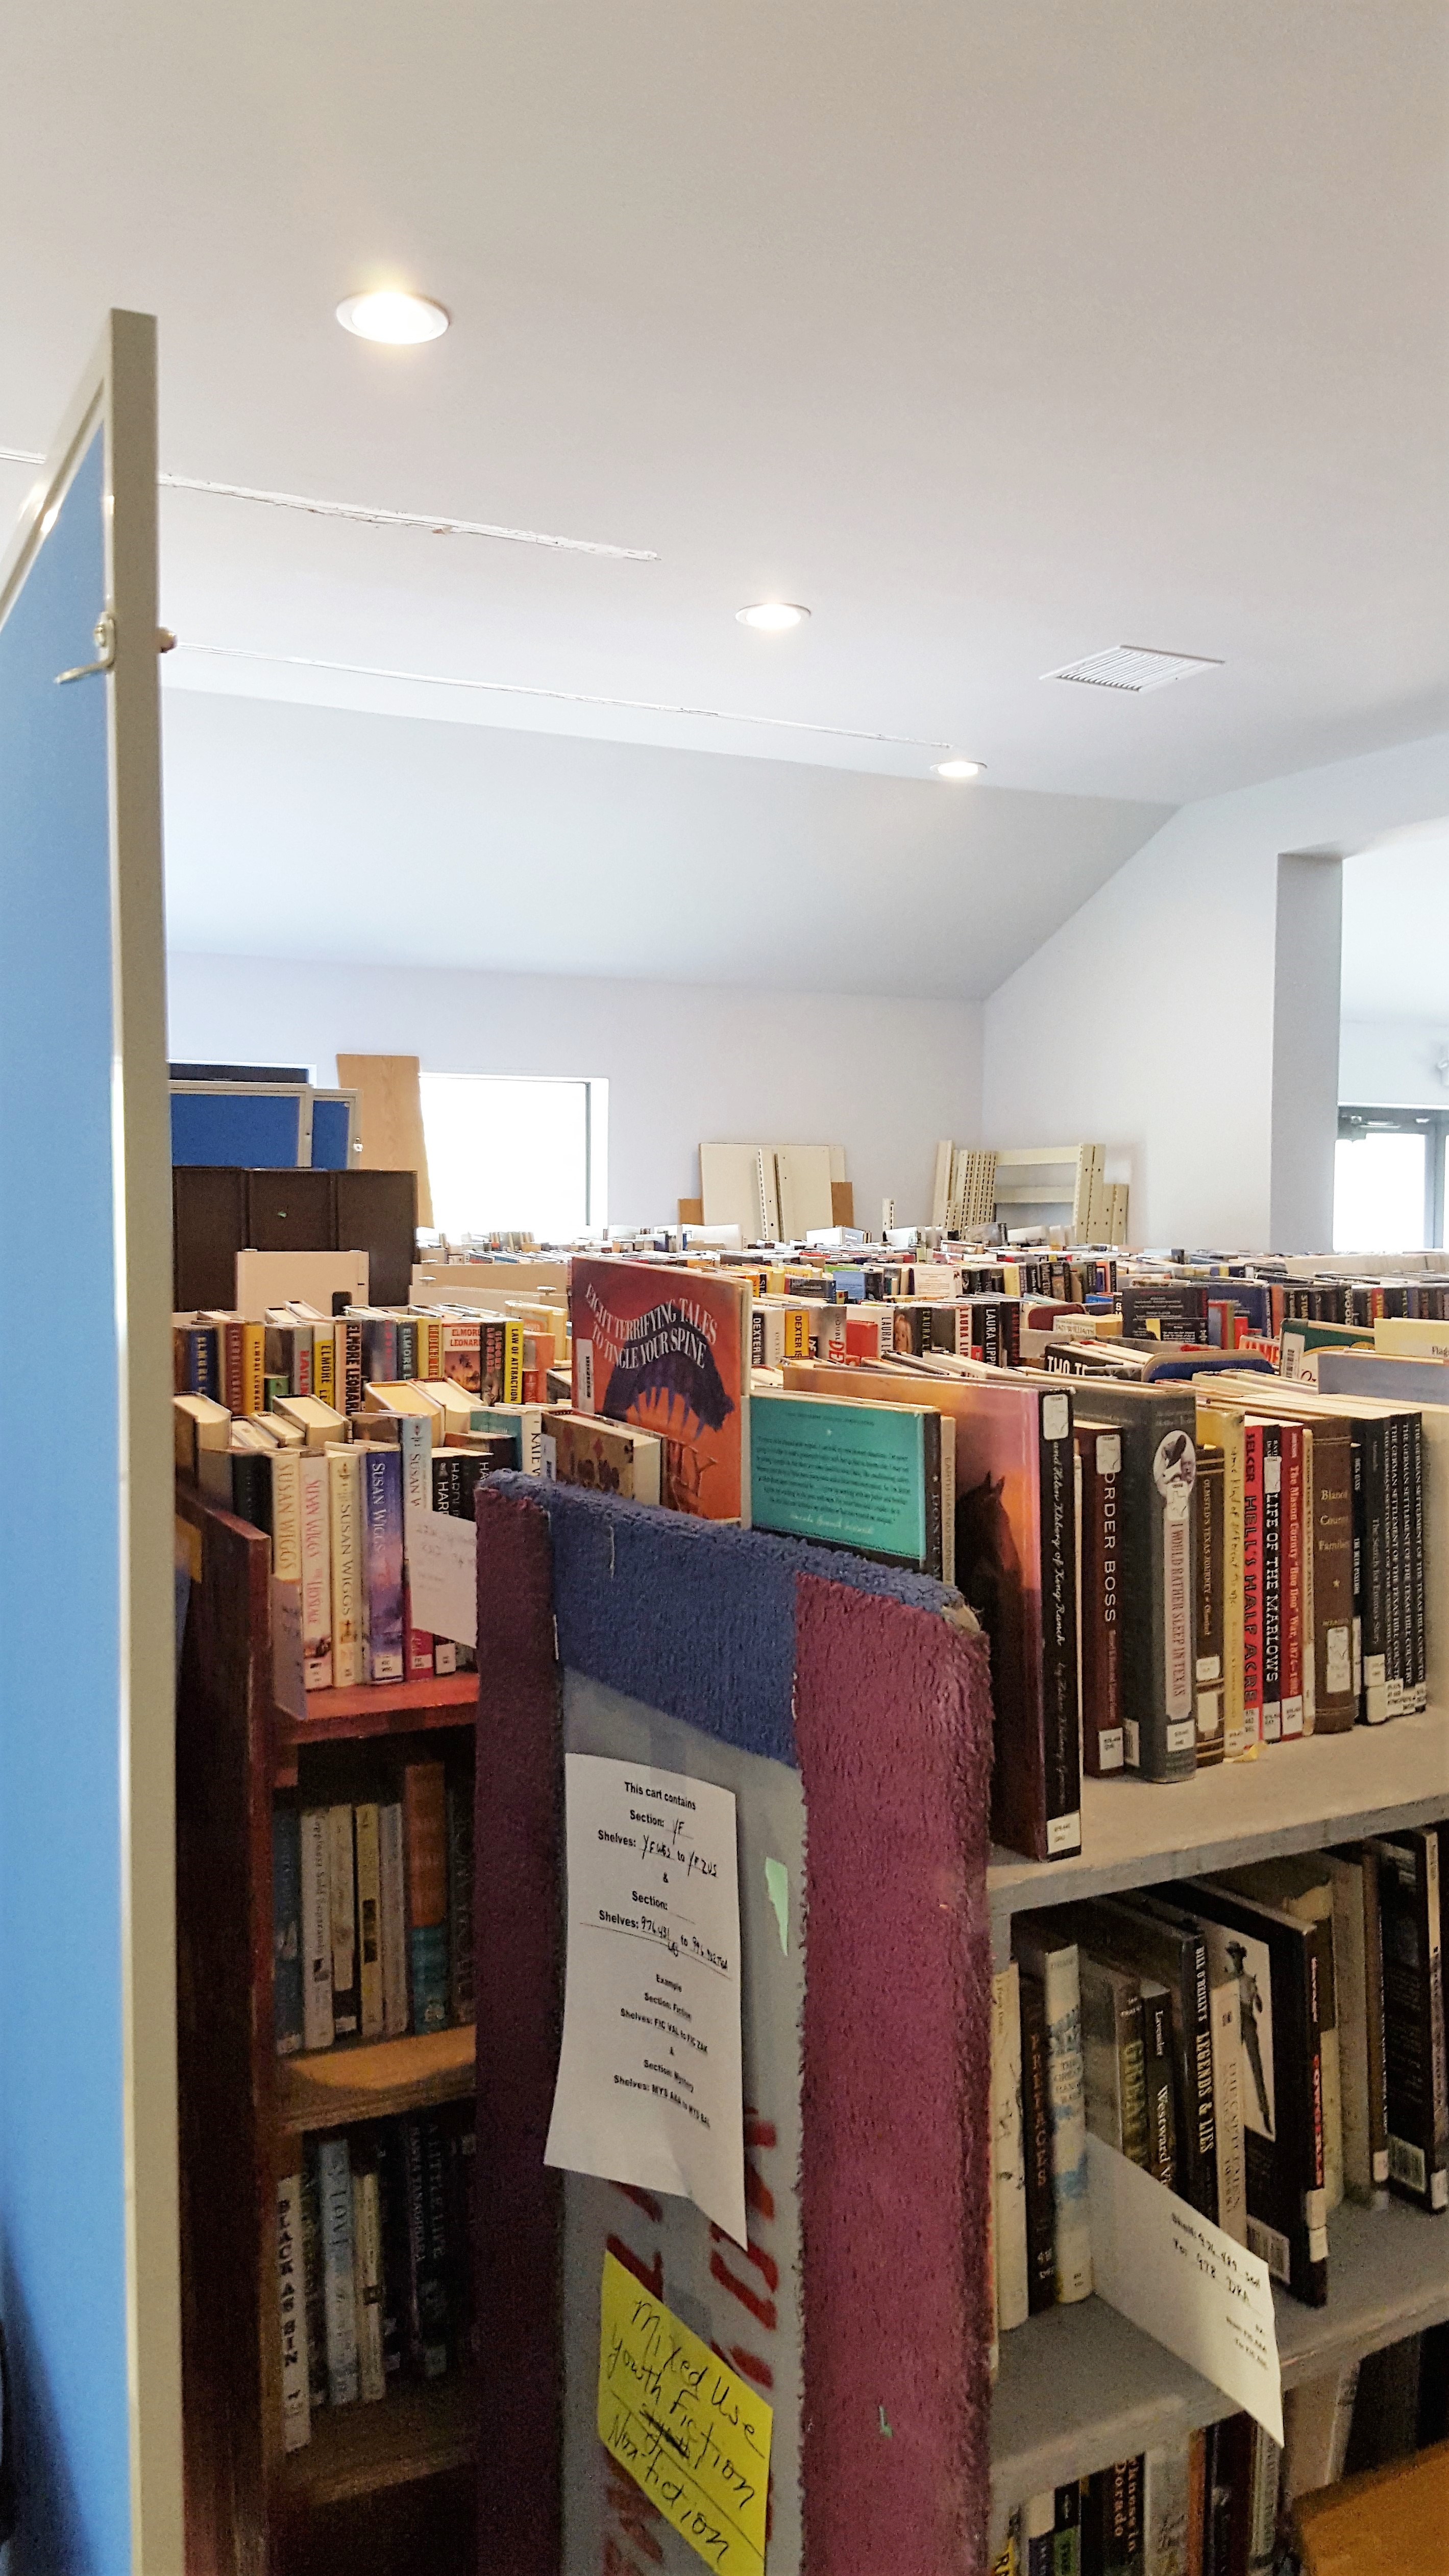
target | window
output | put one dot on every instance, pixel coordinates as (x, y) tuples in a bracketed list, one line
[(510, 1154), (1388, 1181)]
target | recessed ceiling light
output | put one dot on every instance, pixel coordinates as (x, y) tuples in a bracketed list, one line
[(393, 317), (959, 768), (772, 616)]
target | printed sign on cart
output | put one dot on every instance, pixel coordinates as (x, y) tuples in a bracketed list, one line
[(649, 2086)]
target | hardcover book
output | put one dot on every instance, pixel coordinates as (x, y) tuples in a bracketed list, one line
[(286, 1930), (877, 1477), (426, 1836), (670, 1350), (382, 1558), (316, 1570), (1159, 1471), (609, 1457)]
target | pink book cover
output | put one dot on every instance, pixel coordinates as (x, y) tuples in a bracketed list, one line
[(670, 1350)]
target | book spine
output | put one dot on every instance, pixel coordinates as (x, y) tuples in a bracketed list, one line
[(315, 1513), (393, 2202), (1272, 1582), (1159, 2083), (1374, 1575), (425, 1830), (286, 1930), (317, 2024), (1331, 1476), (1291, 1584), (1208, 1654), (1008, 2170), (427, 2249), (1069, 2125), (934, 1512), (1253, 1583), (347, 1363), (286, 1467), (334, 2190), (392, 1884), (1416, 1474), (1037, 2147), (1373, 1978), (1168, 1740), (383, 1561), (369, 1923), (324, 1365), (460, 1900), (292, 2311), (254, 1343), (343, 1493), (229, 1355), (1061, 1732), (1396, 1625), (314, 2283), (342, 1894), (1309, 1562), (367, 2283)]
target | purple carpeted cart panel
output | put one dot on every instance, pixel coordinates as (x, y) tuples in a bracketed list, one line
[(860, 1678)]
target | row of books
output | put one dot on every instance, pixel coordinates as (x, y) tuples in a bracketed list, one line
[(372, 1913), (1264, 2043), (1208, 2505), (1226, 2501), (374, 2265), (246, 1365)]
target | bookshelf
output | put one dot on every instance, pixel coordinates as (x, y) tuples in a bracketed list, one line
[(1081, 2386), (388, 2486)]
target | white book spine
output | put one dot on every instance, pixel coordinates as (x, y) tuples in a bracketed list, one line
[(341, 1884), (334, 2193), (1069, 2124), (394, 1921), (292, 2307), (316, 1573), (287, 1515), (369, 1923), (367, 2285), (344, 1496), (1008, 2163), (317, 2025)]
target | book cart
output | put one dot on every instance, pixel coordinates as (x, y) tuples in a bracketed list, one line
[(387, 2486), (1079, 2386)]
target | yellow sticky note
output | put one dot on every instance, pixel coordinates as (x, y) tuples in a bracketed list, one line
[(689, 2430)]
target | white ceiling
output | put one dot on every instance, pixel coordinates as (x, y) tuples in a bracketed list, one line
[(1396, 928), (302, 833), (997, 335)]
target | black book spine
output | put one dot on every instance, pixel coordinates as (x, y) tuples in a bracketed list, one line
[(1157, 2072), (1061, 1726), (934, 1512), (427, 2248), (1360, 1560), (1041, 2246), (1414, 2031), (1272, 1583), (1376, 1640), (1398, 1688), (1416, 1560)]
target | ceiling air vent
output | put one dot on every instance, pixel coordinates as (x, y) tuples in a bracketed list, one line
[(1134, 667)]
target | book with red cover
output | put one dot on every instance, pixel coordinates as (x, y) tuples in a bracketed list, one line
[(670, 1351), (1253, 1582)]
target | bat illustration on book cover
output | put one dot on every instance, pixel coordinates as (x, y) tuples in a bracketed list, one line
[(670, 1351)]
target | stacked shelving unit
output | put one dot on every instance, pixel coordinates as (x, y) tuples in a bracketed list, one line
[(1079, 2386), (388, 2486)]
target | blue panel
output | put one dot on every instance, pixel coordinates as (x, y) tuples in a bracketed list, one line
[(330, 1122), (61, 2145), (257, 1128)]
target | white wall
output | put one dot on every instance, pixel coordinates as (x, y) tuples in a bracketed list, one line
[(1147, 1020), (1390, 1063), (684, 1062)]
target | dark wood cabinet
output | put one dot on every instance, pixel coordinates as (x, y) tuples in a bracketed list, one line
[(219, 1210)]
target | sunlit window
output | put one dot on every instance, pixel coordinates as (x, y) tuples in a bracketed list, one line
[(1378, 1193), (510, 1154)]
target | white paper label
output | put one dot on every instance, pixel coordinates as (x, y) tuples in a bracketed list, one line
[(443, 1575), (1177, 2276), (1064, 1833), (1181, 1733), (584, 1375), (1339, 1660), (650, 2089), (1110, 1748), (1109, 1453), (1056, 1415)]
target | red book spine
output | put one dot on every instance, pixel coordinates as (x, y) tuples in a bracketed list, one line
[(1292, 1588), (1253, 1582)]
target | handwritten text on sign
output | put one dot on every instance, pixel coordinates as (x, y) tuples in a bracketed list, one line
[(650, 2089), (1176, 2275), (689, 2430)]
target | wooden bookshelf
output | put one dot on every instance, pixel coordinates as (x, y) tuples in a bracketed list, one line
[(384, 2486), (356, 1716), (1081, 2386), (339, 2086)]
